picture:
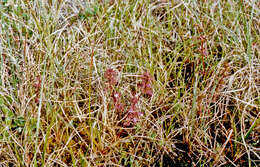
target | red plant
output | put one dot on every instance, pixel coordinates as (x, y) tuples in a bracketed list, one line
[(111, 79), (111, 75), (133, 115), (203, 51), (145, 85), (117, 103)]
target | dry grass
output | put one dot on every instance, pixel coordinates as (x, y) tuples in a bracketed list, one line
[(129, 83)]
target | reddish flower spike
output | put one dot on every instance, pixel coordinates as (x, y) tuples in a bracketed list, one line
[(119, 107), (110, 75), (116, 97), (145, 85)]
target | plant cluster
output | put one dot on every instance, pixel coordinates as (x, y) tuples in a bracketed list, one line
[(132, 113), (130, 83)]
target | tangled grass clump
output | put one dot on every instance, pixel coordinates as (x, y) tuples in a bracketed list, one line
[(129, 83)]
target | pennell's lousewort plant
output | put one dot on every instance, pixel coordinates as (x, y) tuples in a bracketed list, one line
[(130, 83)]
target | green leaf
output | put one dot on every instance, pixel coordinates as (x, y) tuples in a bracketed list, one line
[(19, 122)]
